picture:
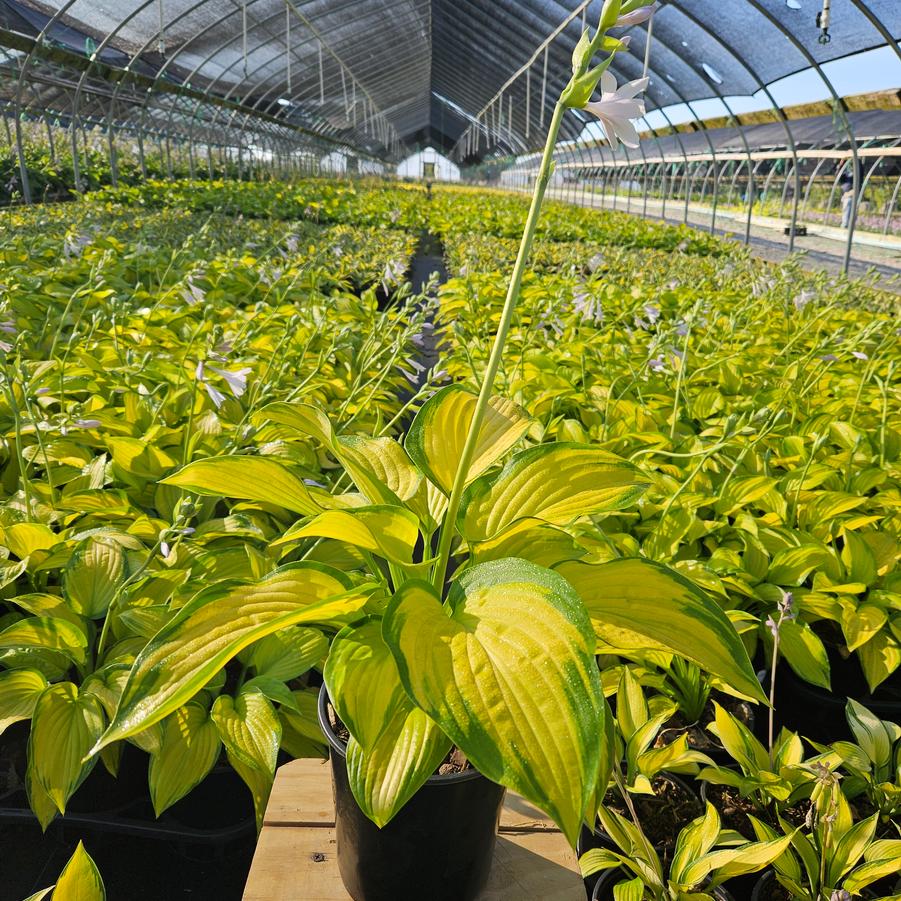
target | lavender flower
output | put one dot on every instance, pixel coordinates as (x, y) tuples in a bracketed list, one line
[(216, 396), (191, 294), (636, 17), (236, 380), (394, 274)]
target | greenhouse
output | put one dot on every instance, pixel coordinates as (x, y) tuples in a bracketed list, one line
[(450, 451)]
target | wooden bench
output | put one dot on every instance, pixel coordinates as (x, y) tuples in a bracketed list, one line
[(295, 855)]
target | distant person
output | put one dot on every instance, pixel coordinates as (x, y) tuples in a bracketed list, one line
[(847, 188)]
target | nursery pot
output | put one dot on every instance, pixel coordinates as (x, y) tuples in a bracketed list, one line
[(820, 714), (603, 890), (439, 846), (598, 838)]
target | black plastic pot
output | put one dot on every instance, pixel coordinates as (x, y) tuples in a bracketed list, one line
[(715, 752), (603, 889), (598, 838), (439, 846), (819, 714)]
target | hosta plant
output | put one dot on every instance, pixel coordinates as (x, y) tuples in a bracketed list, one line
[(770, 779), (835, 857), (463, 610), (872, 763), (638, 725), (705, 857)]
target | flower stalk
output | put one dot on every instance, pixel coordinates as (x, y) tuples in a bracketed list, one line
[(494, 361), (576, 94)]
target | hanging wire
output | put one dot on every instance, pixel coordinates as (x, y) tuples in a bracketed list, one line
[(161, 37), (321, 77), (647, 47), (528, 101), (244, 34), (544, 87), (288, 42)]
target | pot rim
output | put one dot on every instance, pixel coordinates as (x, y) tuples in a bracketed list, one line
[(720, 891), (341, 749)]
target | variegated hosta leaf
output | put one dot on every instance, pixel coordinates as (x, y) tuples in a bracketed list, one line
[(556, 483), (303, 418), (384, 459), (47, 633), (251, 732), (301, 733), (389, 532), (19, 692), (64, 727), (881, 856), (436, 437), (39, 801), (258, 479), (874, 735), (379, 467), (362, 680), (394, 747), (636, 603), (288, 654), (93, 576), (529, 539), (508, 673), (188, 751), (384, 777), (212, 628), (80, 879)]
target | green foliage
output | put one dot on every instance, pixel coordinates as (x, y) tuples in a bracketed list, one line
[(205, 495), (705, 856)]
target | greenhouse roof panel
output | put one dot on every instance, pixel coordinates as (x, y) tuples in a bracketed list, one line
[(381, 72)]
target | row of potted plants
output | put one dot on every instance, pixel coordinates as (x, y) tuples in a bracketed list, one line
[(454, 587)]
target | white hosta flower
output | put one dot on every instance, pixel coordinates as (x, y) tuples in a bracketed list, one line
[(216, 396), (236, 380), (395, 272), (588, 308), (191, 294), (617, 108), (637, 16)]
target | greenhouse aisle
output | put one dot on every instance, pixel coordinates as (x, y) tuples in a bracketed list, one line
[(822, 248)]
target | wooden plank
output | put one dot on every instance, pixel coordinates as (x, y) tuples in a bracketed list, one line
[(302, 795), (295, 864), (299, 864), (295, 859)]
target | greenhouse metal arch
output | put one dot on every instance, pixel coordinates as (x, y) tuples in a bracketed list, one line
[(284, 85)]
